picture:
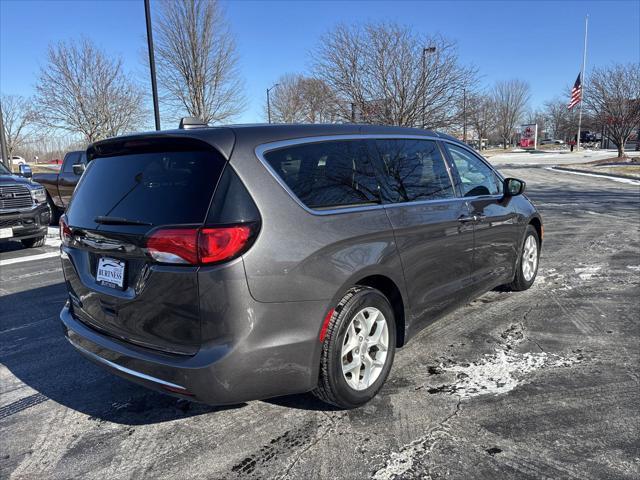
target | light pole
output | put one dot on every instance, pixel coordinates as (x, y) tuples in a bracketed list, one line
[(269, 101), (152, 64), (3, 143), (464, 115), (425, 51)]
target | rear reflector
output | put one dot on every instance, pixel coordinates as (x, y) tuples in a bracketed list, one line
[(196, 246), (325, 325)]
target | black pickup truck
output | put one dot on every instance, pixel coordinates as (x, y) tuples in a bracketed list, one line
[(60, 185), (24, 214)]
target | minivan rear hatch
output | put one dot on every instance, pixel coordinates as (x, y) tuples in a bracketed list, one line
[(129, 190)]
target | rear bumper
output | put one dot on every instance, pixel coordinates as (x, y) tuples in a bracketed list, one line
[(30, 224), (260, 365)]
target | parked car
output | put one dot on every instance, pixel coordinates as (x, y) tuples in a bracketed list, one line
[(16, 160), (60, 185), (24, 214), (237, 263)]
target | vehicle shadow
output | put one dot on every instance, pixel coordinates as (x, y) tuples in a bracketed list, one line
[(34, 349), (11, 246), (304, 401)]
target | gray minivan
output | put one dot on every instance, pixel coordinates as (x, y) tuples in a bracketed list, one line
[(225, 264)]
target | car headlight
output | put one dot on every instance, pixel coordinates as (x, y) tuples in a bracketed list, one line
[(39, 195)]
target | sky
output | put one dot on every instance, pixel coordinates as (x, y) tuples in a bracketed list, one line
[(537, 41)]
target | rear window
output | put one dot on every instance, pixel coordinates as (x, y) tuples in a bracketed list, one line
[(159, 188), (327, 174)]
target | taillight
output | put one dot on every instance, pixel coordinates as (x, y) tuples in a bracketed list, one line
[(218, 244), (174, 245), (198, 246), (65, 231)]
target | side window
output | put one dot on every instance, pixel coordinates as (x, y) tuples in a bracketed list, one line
[(327, 174), (70, 161), (413, 169), (475, 176)]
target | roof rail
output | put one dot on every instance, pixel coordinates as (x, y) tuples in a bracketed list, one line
[(187, 123)]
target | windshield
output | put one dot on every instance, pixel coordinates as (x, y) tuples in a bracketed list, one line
[(4, 170), (159, 188)]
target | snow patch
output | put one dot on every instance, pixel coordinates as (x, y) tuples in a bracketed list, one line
[(597, 175), (402, 461), (52, 242), (502, 372), (635, 268), (586, 273)]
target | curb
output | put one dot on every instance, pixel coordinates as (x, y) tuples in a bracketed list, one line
[(610, 175)]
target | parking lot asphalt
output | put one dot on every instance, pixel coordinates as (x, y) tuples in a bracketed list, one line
[(536, 384)]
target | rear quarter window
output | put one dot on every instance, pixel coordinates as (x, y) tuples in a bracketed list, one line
[(329, 174)]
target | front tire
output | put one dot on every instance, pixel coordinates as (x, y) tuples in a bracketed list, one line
[(33, 242), (528, 261), (54, 213), (358, 350)]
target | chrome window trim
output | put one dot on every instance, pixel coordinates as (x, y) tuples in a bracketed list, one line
[(126, 370), (264, 148)]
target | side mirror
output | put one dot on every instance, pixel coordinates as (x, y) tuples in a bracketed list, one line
[(78, 168), (25, 171), (513, 187)]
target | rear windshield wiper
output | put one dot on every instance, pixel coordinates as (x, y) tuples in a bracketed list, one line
[(117, 221)]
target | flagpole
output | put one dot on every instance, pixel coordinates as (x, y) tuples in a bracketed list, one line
[(584, 63)]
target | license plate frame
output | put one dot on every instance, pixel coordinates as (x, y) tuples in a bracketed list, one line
[(110, 272)]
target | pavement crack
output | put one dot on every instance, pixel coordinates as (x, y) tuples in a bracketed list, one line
[(308, 447), (403, 460)]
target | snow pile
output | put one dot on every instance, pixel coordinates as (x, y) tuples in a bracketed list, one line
[(501, 372), (586, 273)]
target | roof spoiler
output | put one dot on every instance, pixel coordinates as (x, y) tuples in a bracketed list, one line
[(187, 123)]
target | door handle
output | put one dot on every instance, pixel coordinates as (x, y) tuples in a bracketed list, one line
[(464, 219)]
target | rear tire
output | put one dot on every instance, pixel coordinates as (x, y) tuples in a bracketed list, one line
[(33, 242), (528, 261), (358, 349)]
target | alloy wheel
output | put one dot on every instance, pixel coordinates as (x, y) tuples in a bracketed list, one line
[(365, 347), (529, 258)]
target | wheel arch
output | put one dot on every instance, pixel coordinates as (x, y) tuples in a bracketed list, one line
[(389, 289), (536, 222)]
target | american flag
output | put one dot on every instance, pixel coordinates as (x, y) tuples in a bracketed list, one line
[(576, 93)]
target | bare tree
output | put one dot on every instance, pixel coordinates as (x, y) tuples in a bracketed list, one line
[(197, 62), (51, 145), (382, 71), (556, 114), (84, 91), (481, 115), (18, 117), (562, 122), (612, 97), (300, 99), (510, 99)]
